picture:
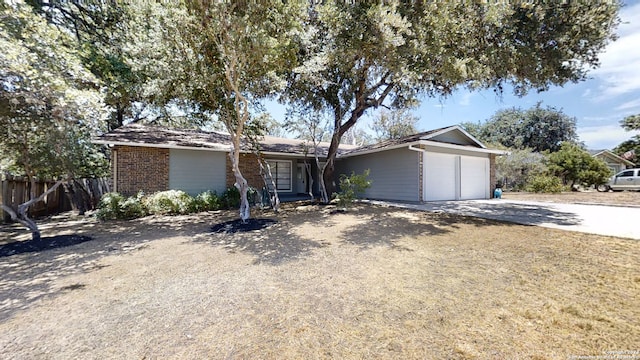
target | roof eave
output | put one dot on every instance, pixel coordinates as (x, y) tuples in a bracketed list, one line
[(463, 147), (224, 148), (615, 156), (221, 148), (455, 127)]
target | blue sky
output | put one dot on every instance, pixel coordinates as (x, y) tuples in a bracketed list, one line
[(611, 93)]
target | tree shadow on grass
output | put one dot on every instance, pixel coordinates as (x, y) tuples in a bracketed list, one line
[(270, 241), (42, 244), (388, 226), (238, 226), (525, 214), (32, 271)]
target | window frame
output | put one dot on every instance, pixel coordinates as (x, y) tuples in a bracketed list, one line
[(274, 173)]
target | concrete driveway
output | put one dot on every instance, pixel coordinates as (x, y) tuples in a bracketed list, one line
[(594, 219)]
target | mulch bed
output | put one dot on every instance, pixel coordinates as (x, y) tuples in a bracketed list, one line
[(236, 226), (45, 243)]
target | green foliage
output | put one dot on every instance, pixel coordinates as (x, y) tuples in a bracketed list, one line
[(545, 184), (539, 129), (351, 187), (632, 145), (113, 206), (109, 206), (133, 208), (230, 198), (169, 202), (631, 123), (207, 201), (49, 102), (518, 167), (355, 56), (576, 166), (394, 124)]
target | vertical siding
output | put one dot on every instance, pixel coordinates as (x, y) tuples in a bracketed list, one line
[(395, 174), (196, 171)]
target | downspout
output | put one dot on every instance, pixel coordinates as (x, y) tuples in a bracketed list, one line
[(114, 159), (422, 187)]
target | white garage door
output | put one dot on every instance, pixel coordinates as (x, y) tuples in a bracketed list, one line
[(474, 178), (455, 177), (440, 174)]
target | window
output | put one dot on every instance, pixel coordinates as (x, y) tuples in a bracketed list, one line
[(281, 173), (626, 173)]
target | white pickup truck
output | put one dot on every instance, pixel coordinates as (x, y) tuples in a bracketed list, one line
[(624, 180)]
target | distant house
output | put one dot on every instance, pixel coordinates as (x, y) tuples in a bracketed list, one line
[(613, 161), (442, 164)]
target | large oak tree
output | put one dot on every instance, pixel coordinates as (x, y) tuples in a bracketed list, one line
[(49, 106), (356, 56)]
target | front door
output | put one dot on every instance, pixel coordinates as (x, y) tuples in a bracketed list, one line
[(301, 179)]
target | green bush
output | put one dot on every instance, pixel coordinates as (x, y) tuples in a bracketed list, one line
[(169, 202), (207, 201), (351, 186), (109, 206), (113, 206), (132, 208), (545, 184), (230, 199)]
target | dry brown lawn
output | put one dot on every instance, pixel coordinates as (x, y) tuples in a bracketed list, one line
[(372, 283)]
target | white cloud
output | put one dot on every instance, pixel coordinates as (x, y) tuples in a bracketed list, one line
[(603, 137), (466, 99), (629, 105), (621, 60)]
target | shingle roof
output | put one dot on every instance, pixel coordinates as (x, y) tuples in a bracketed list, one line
[(392, 142), (139, 135)]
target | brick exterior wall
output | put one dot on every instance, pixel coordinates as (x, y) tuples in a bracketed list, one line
[(250, 170), (141, 168)]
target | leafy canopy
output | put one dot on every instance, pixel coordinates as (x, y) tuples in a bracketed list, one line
[(49, 105), (576, 166), (355, 56), (631, 123), (394, 124), (537, 128)]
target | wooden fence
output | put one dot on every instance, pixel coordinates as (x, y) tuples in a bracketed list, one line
[(80, 194)]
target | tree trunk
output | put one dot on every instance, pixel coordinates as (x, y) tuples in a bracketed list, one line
[(241, 183), (243, 187), (329, 168), (307, 168), (22, 217)]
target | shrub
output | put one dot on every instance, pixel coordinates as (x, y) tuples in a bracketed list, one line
[(207, 201), (132, 208), (351, 186), (545, 184), (169, 202), (109, 206), (113, 206), (230, 199)]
